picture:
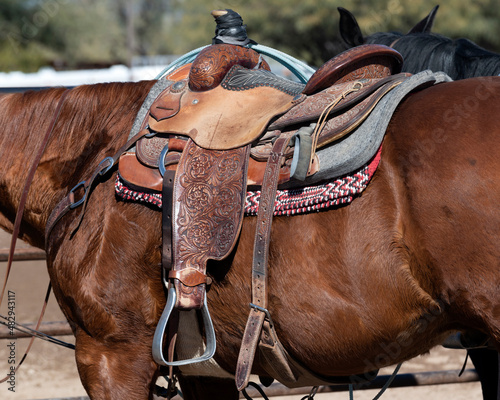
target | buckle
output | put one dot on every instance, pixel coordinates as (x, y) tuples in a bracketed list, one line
[(106, 169), (72, 193), (264, 310)]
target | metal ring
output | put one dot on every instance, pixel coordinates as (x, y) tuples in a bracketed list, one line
[(79, 202), (106, 169), (150, 134), (161, 160)]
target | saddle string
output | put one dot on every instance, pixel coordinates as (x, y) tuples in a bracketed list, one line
[(322, 120), (309, 137)]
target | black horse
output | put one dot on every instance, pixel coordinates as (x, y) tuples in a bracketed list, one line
[(422, 49)]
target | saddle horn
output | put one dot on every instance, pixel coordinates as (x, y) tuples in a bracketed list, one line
[(229, 47), (230, 28)]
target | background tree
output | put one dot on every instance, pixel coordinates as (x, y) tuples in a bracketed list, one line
[(308, 29), (18, 50), (79, 33)]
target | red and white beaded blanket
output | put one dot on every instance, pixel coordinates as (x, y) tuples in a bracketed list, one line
[(289, 201)]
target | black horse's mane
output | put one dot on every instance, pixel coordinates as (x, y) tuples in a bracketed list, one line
[(459, 58)]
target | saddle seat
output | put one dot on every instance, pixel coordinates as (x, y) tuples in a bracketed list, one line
[(253, 106)]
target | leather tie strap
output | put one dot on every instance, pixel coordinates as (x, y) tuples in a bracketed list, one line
[(167, 257), (167, 208), (258, 311)]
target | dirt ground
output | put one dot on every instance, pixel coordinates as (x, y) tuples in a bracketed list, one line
[(50, 371)]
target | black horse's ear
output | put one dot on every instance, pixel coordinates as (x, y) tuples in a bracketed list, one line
[(425, 25), (349, 28)]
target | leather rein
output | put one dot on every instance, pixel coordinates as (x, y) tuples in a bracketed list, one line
[(69, 202), (17, 222)]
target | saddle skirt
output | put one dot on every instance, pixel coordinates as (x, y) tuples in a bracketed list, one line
[(223, 118)]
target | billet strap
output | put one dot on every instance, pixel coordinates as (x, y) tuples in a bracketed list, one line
[(167, 209), (258, 307)]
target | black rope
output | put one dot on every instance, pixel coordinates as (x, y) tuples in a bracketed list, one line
[(35, 333), (465, 364), (258, 388), (230, 30), (311, 395), (161, 391)]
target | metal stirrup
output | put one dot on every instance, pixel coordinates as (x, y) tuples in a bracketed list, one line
[(162, 325)]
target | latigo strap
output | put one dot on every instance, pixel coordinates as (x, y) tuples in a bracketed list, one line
[(258, 310)]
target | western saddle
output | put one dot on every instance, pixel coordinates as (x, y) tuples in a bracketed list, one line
[(225, 123)]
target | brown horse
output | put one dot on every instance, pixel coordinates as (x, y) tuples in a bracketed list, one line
[(351, 289), (460, 59)]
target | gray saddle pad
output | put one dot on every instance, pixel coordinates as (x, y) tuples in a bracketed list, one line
[(357, 148)]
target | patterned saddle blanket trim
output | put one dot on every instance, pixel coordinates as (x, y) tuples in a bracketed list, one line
[(318, 197), (126, 193), (289, 201)]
